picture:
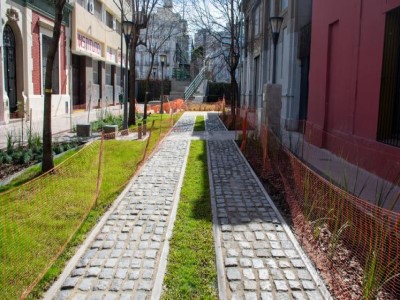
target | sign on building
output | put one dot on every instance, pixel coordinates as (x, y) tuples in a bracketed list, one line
[(88, 45)]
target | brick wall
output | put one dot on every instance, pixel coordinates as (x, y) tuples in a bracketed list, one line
[(36, 54), (36, 70), (63, 61)]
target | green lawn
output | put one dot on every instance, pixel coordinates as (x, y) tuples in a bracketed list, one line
[(38, 218), (199, 125), (191, 270)]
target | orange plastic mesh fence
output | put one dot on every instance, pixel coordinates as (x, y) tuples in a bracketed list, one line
[(39, 218), (369, 233), (174, 106)]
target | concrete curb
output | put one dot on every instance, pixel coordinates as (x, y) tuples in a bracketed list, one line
[(222, 291)]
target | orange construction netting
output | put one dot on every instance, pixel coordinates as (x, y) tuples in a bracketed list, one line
[(355, 243)]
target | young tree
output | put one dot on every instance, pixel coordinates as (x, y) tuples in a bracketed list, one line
[(141, 12), (220, 19), (47, 159), (159, 31)]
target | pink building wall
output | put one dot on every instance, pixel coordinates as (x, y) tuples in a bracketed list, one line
[(345, 78)]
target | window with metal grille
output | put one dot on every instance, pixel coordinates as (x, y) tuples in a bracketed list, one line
[(389, 104), (46, 41), (98, 12), (284, 4)]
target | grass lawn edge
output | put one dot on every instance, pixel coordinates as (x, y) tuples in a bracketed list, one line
[(191, 272)]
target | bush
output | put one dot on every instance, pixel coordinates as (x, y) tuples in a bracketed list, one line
[(217, 90), (25, 158), (7, 159), (16, 156), (154, 89)]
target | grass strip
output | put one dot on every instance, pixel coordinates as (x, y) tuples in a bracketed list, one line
[(36, 227), (191, 271), (199, 125)]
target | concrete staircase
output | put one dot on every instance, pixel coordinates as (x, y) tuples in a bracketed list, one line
[(177, 89)]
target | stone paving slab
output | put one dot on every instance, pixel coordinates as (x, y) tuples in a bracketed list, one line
[(122, 260), (260, 257)]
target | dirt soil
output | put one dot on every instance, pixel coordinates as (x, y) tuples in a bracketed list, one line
[(10, 169)]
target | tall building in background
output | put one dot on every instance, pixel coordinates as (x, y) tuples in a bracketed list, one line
[(176, 47)]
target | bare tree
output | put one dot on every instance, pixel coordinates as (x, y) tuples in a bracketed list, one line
[(141, 12), (47, 158), (220, 19), (159, 31), (125, 9)]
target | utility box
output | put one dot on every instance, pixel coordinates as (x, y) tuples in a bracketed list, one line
[(110, 131), (83, 130)]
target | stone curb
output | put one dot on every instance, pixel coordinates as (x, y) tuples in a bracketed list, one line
[(320, 283), (217, 233)]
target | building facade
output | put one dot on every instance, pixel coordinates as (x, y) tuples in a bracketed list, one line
[(26, 34), (95, 53), (354, 93), (292, 57)]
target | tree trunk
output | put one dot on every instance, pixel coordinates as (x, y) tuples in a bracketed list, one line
[(132, 79), (47, 159), (234, 99)]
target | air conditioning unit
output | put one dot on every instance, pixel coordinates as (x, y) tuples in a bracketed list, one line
[(91, 7), (115, 24)]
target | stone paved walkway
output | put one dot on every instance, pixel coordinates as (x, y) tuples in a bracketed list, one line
[(257, 256), (123, 260), (260, 257)]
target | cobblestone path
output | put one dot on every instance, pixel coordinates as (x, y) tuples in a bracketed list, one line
[(123, 260), (259, 259), (257, 256)]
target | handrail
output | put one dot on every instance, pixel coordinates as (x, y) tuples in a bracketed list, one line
[(195, 84)]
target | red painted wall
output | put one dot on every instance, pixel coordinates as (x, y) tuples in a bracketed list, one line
[(36, 70), (345, 78), (36, 54), (63, 62)]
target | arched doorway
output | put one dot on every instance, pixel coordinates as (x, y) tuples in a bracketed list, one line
[(10, 69)]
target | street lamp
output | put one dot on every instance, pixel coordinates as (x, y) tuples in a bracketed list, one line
[(163, 60), (127, 27), (276, 23)]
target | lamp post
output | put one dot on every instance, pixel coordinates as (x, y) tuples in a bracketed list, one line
[(276, 23), (163, 59), (127, 27), (153, 85)]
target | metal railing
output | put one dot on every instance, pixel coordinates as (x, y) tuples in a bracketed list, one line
[(195, 84)]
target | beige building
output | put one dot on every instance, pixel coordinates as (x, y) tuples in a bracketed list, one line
[(95, 53)]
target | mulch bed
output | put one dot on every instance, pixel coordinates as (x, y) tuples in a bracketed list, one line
[(10, 169)]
